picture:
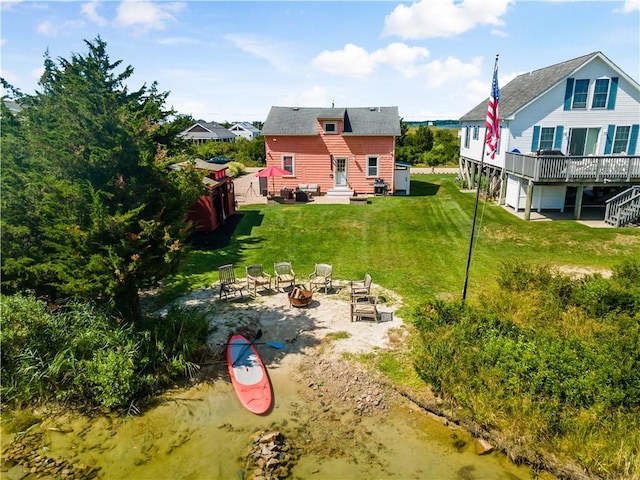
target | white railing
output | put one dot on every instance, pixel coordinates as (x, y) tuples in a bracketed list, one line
[(604, 168), (624, 207)]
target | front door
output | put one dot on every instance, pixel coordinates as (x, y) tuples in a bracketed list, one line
[(340, 171)]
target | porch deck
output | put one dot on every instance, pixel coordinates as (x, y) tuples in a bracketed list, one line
[(592, 169)]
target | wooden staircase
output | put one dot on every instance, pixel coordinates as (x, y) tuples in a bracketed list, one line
[(624, 208)]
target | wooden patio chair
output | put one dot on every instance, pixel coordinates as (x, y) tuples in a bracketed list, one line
[(284, 274), (321, 277), (360, 287), (228, 283), (364, 307), (257, 277)]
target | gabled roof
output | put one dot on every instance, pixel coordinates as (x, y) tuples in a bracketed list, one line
[(357, 120), (246, 126), (525, 88), (207, 130)]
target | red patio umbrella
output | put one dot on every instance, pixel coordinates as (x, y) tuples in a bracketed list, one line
[(273, 172)]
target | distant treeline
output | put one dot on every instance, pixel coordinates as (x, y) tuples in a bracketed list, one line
[(436, 123)]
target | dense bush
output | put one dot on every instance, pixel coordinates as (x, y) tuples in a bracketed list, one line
[(549, 358), (80, 355)]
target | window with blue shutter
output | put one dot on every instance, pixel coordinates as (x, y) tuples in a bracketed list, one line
[(568, 93), (536, 138), (608, 144), (633, 141), (557, 144), (612, 94), (580, 93)]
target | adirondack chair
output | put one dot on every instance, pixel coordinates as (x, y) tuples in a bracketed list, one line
[(257, 277), (360, 287), (364, 307), (321, 277), (284, 274), (228, 283)]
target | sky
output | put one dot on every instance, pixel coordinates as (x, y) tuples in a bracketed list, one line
[(232, 61)]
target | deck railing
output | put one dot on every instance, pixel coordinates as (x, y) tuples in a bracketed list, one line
[(599, 169), (623, 208)]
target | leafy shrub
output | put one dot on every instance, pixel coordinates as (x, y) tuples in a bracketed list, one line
[(540, 359), (236, 169)]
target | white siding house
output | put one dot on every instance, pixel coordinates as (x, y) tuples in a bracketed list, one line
[(586, 109), (244, 130)]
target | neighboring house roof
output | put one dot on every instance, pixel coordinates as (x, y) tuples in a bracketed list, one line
[(13, 106), (357, 120), (246, 126), (202, 130), (525, 88)]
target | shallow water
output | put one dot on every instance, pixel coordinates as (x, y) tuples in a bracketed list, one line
[(204, 433)]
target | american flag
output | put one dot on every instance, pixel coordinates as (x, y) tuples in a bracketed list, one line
[(493, 121)]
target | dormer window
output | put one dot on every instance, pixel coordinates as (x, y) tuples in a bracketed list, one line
[(330, 127)]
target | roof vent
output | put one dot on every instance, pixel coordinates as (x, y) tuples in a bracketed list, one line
[(372, 109), (296, 108)]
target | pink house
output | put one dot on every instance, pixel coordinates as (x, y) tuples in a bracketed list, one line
[(333, 151)]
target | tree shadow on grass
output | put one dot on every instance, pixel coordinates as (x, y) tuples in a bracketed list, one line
[(241, 223)]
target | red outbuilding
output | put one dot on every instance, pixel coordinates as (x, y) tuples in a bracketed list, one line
[(219, 203)]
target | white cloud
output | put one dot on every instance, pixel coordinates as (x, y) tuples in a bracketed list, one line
[(351, 61), (90, 12), (443, 18), (146, 14), (629, 6), (262, 48), (9, 4), (315, 96), (401, 57), (179, 41), (50, 29), (9, 76), (439, 73), (36, 73)]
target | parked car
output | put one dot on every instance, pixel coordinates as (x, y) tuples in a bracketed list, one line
[(219, 160)]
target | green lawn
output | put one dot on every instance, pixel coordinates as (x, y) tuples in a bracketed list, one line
[(416, 246)]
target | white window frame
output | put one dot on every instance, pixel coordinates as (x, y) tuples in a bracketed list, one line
[(581, 105), (599, 95), (476, 132), (619, 137), (553, 137), (376, 167), (325, 124), (293, 164), (467, 136)]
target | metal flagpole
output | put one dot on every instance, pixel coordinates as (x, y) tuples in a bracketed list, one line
[(475, 208)]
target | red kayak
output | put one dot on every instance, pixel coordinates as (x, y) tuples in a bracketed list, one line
[(248, 375)]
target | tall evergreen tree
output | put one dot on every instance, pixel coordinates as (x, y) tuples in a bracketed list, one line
[(89, 207)]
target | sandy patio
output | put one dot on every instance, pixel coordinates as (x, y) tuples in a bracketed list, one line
[(298, 328)]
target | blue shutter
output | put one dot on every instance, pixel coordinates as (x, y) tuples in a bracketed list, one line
[(608, 144), (633, 141), (557, 142), (568, 93), (612, 93), (536, 138)]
